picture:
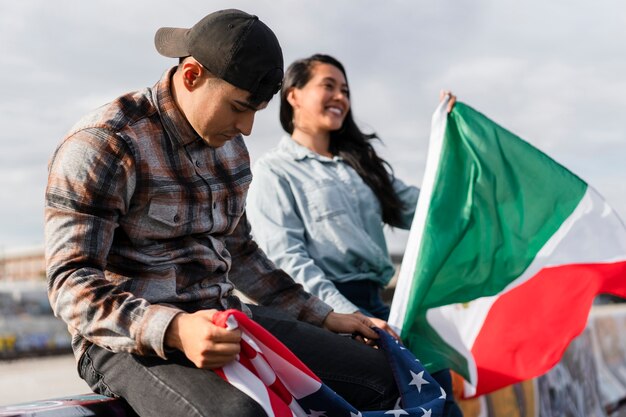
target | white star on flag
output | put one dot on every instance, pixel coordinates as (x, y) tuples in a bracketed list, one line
[(356, 415), (397, 406), (427, 413), (397, 413), (400, 345), (418, 380), (443, 394), (317, 414)]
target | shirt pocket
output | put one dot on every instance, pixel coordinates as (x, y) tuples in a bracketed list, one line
[(326, 200), (234, 210), (167, 217)]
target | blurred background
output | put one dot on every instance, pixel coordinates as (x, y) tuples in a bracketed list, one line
[(551, 72)]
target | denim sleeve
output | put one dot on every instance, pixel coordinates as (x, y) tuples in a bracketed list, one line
[(278, 228), (259, 279), (408, 194)]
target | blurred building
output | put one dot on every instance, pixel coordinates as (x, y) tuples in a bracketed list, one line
[(24, 264), (27, 324)]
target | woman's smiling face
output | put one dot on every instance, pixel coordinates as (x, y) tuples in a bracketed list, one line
[(324, 101)]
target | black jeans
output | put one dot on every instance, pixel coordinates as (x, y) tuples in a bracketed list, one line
[(175, 387)]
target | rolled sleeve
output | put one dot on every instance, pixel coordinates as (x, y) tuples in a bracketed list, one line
[(156, 321), (408, 194)]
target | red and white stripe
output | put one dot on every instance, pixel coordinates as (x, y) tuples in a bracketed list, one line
[(266, 370)]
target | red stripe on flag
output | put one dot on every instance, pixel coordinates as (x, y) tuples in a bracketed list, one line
[(247, 350), (220, 372), (245, 361), (264, 337), (279, 389), (279, 406), (528, 328)]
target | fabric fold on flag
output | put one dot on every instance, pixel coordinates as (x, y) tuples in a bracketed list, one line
[(268, 372), (506, 253)]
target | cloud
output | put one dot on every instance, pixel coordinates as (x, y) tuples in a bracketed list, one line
[(552, 72)]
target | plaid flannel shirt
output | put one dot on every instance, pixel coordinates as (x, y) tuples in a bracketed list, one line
[(144, 220)]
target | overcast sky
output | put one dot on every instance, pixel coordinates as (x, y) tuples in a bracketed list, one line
[(553, 72)]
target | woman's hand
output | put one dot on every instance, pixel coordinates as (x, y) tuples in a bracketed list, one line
[(381, 324), (443, 94), (355, 324)]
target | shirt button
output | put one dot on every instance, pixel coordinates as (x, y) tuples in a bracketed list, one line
[(176, 218), (214, 205), (198, 163), (205, 283)]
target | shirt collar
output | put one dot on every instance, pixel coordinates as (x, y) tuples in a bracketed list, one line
[(175, 123), (299, 152)]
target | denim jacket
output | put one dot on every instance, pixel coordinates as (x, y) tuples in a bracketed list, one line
[(316, 219)]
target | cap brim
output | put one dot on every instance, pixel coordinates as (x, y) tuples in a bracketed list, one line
[(172, 42)]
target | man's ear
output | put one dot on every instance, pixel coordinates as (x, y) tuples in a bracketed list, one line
[(191, 72)]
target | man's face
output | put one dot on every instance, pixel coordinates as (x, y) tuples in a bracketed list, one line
[(219, 111)]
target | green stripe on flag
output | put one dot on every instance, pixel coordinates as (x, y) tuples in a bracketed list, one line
[(434, 353), (495, 202)]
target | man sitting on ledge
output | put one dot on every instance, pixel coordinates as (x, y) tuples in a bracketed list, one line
[(146, 237)]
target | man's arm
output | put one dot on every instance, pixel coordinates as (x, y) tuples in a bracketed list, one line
[(90, 184), (255, 275), (258, 278)]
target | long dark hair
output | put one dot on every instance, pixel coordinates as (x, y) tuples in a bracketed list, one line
[(349, 142)]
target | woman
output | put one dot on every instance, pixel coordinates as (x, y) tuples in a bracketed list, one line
[(318, 203)]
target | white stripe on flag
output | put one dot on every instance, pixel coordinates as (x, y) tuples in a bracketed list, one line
[(297, 382), (586, 236), (409, 262), (593, 233), (244, 380)]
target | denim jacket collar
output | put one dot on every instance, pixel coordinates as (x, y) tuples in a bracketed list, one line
[(298, 152)]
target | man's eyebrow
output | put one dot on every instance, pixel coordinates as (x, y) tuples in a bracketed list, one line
[(246, 105)]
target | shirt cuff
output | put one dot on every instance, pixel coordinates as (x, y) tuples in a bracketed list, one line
[(156, 320), (340, 304), (315, 311)]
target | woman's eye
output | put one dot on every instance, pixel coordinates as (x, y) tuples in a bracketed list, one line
[(237, 109)]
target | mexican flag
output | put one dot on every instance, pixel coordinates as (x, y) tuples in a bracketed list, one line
[(505, 255)]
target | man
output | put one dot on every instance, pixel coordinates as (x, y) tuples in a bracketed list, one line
[(146, 234)]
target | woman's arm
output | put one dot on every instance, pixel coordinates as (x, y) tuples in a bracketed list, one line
[(278, 228)]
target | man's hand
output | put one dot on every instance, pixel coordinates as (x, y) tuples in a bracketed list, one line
[(355, 324), (205, 344), (442, 96)]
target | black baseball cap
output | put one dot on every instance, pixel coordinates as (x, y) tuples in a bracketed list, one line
[(234, 46)]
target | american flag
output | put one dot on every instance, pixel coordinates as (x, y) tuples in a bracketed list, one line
[(275, 378)]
